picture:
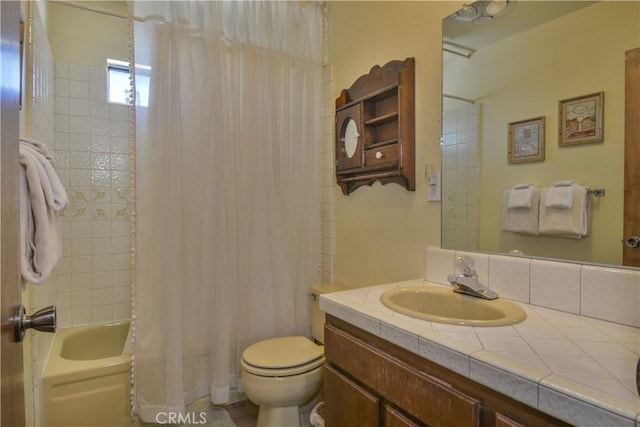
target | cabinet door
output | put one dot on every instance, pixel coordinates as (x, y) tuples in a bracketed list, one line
[(346, 403), (349, 138), (394, 418), (504, 421), (424, 397)]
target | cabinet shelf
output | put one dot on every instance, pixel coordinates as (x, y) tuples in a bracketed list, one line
[(381, 143), (372, 175), (381, 104), (379, 120)]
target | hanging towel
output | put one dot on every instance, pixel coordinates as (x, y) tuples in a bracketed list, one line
[(523, 219), (54, 191), (567, 222), (561, 195), (520, 196), (41, 197)]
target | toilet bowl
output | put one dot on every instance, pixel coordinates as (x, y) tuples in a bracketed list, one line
[(279, 375)]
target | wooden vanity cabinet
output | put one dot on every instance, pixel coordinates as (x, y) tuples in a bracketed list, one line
[(370, 382), (382, 104)]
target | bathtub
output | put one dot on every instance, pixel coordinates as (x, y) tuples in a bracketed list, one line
[(86, 381)]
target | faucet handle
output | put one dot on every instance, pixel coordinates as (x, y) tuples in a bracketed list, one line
[(465, 265)]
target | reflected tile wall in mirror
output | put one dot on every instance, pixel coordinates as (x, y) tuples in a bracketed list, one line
[(460, 192)]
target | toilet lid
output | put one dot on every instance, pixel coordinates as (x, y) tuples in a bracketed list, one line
[(283, 353)]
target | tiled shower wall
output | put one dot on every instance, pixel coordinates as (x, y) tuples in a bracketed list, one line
[(64, 106), (92, 151), (461, 172)]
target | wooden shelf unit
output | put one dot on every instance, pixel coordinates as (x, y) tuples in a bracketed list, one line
[(382, 104)]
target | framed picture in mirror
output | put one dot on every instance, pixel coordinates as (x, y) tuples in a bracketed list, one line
[(581, 119), (526, 140)]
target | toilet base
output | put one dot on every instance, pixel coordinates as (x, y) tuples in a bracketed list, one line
[(284, 416)]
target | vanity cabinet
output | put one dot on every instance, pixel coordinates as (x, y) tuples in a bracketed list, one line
[(371, 382), (375, 128)]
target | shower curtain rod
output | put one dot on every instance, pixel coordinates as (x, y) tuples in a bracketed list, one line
[(470, 101), (88, 8)]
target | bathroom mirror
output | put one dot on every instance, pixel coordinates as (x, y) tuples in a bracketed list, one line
[(350, 138), (515, 65)]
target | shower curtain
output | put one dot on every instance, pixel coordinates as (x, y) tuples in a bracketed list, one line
[(227, 189)]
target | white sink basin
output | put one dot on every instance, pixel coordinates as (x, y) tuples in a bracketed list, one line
[(440, 304)]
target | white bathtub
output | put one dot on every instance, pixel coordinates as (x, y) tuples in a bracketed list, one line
[(87, 378)]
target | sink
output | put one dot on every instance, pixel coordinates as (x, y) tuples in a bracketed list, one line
[(442, 305)]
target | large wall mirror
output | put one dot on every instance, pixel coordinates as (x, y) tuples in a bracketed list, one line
[(510, 61)]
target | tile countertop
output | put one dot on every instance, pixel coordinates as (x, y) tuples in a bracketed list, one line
[(575, 368)]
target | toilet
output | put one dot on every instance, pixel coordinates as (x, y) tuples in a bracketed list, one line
[(281, 374)]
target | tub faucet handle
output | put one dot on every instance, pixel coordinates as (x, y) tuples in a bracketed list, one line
[(43, 320)]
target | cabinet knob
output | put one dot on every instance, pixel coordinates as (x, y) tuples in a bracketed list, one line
[(632, 242), (379, 155)]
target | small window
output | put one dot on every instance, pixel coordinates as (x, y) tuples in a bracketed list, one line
[(119, 87)]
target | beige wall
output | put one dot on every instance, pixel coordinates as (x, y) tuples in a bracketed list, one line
[(382, 231), (524, 77), (102, 36)]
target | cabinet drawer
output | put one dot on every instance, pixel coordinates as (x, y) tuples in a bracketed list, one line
[(426, 398), (386, 154)]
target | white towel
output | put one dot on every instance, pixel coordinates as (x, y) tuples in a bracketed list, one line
[(520, 196), (521, 220), (567, 222), (561, 195), (41, 196), (54, 191)]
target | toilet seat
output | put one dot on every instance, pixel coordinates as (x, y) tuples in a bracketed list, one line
[(283, 356)]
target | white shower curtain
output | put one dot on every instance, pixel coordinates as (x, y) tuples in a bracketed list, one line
[(228, 190)]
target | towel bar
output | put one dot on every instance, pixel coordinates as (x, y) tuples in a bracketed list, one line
[(598, 192)]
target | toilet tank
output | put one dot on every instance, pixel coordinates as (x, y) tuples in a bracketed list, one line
[(317, 315)]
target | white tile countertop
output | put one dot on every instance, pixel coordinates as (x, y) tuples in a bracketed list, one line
[(578, 369)]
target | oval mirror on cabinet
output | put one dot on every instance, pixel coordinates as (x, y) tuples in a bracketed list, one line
[(350, 138)]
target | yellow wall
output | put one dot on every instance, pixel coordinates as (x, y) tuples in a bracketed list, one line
[(80, 37), (524, 77), (382, 231)]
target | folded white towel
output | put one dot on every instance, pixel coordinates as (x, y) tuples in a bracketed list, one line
[(561, 195), (41, 196), (520, 196), (521, 220), (40, 147), (54, 191), (567, 222)]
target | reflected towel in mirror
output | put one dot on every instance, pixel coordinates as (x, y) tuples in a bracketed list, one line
[(520, 196), (561, 195), (521, 220), (566, 222)]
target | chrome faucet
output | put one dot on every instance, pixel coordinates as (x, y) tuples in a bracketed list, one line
[(465, 280)]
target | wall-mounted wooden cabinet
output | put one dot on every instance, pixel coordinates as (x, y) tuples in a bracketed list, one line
[(375, 128)]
